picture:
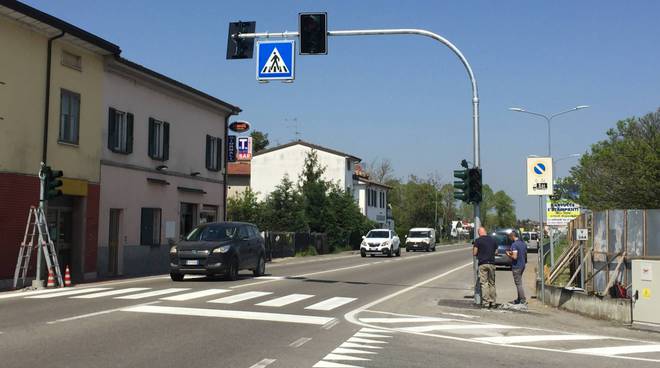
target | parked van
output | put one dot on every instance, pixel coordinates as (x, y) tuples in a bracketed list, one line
[(420, 238)]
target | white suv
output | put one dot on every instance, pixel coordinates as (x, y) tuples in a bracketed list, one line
[(380, 241)]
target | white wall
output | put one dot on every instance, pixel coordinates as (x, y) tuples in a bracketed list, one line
[(268, 169)]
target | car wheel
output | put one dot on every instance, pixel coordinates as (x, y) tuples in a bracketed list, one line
[(389, 253), (261, 267), (407, 250), (433, 249), (363, 253), (398, 252), (176, 276), (232, 272)]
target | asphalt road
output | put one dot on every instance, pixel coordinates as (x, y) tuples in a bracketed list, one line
[(337, 311)]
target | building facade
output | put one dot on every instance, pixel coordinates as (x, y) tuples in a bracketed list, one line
[(51, 74), (238, 178), (162, 166)]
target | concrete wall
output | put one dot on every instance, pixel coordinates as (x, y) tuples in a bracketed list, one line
[(269, 168), (587, 305), (237, 184)]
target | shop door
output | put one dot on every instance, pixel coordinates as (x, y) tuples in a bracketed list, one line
[(188, 218), (60, 226)]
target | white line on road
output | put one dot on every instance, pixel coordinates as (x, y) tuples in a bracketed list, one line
[(330, 304), (300, 342), (109, 293), (16, 294), (263, 363), (537, 338), (358, 346), (65, 293), (360, 340), (149, 294), (324, 364), (370, 335), (405, 320), (285, 300), (333, 356), (457, 327), (92, 314), (330, 325), (195, 295), (235, 314), (618, 350), (240, 297), (376, 330), (351, 351)]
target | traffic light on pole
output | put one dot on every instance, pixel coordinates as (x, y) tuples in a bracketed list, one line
[(474, 185), (240, 48), (461, 187), (313, 30), (52, 183)]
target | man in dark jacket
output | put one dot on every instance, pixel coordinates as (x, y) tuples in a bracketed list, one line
[(518, 254), (484, 249)]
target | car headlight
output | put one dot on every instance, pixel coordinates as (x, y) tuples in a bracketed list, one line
[(386, 243), (222, 249), (173, 250), (363, 244), (426, 241)]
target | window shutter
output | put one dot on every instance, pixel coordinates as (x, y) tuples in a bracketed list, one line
[(112, 129), (146, 226), (151, 138), (166, 141), (209, 141), (129, 133), (219, 154)]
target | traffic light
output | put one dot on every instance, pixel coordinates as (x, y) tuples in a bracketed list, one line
[(313, 30), (240, 48), (474, 185), (461, 187), (52, 183)]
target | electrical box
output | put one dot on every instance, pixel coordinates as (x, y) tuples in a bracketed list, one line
[(646, 287)]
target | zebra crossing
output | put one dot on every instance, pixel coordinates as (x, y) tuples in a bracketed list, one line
[(265, 299), (361, 348), (476, 331)]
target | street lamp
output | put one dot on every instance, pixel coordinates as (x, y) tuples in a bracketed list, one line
[(548, 119)]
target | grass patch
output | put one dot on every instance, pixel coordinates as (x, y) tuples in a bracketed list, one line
[(343, 248), (310, 251)]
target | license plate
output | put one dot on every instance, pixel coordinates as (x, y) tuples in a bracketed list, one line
[(192, 262)]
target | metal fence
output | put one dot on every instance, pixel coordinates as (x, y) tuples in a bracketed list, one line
[(281, 244), (616, 237)]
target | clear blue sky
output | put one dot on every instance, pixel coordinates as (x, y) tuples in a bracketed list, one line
[(407, 98)]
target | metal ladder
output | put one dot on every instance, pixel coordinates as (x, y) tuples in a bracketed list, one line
[(36, 234)]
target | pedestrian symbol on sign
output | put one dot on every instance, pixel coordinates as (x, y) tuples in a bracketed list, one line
[(274, 64)]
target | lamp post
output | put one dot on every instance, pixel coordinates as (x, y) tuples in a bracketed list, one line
[(548, 119)]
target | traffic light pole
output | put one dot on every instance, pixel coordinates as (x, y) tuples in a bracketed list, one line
[(475, 100), (37, 283)]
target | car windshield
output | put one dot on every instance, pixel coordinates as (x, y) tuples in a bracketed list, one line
[(535, 236), (213, 233), (378, 234), (502, 239), (419, 234)]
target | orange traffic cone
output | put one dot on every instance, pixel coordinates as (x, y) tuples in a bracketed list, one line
[(51, 279), (67, 277)]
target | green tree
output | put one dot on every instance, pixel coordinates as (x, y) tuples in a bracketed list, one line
[(342, 216), (283, 210), (259, 140), (505, 211), (622, 171), (314, 190), (244, 207)]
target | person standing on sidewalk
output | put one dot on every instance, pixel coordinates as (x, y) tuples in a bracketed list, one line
[(484, 249), (518, 254)]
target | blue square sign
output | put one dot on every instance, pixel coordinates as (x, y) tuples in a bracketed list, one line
[(275, 60)]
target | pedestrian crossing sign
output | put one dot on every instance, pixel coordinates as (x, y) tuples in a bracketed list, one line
[(275, 60)]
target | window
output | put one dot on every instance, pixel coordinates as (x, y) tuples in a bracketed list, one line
[(71, 60), (213, 153), (187, 219), (150, 226), (120, 131), (69, 116), (159, 139)]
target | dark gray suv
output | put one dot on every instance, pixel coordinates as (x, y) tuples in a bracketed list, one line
[(219, 248)]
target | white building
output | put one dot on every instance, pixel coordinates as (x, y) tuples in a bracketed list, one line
[(270, 166)]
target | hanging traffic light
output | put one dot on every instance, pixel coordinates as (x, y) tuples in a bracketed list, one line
[(461, 187), (52, 184), (313, 30), (474, 185), (240, 48)]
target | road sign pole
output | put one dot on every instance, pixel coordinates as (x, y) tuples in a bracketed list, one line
[(473, 82)]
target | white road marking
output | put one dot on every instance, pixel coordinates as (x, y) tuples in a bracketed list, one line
[(92, 314), (108, 293), (240, 297), (458, 327), (333, 356), (285, 300), (324, 364), (351, 351), (360, 340), (366, 329), (300, 342), (28, 293), (149, 294), (405, 320), (263, 363), (364, 334), (358, 346), (537, 338), (618, 350), (195, 295), (270, 278), (65, 293), (330, 325), (330, 304), (235, 314)]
